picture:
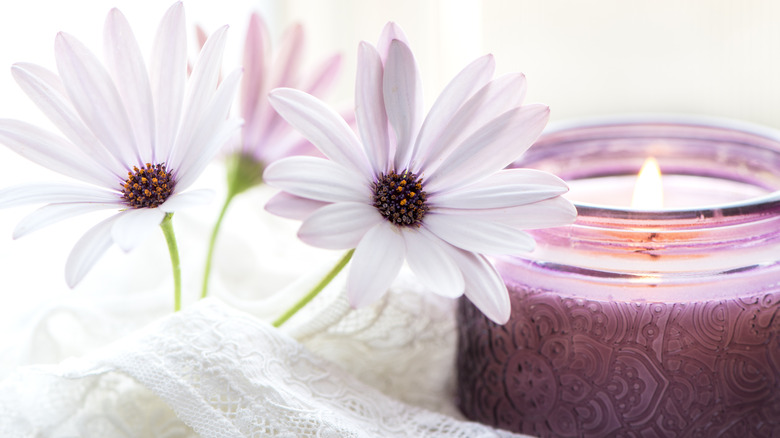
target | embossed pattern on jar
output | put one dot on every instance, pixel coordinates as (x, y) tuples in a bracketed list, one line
[(593, 368)]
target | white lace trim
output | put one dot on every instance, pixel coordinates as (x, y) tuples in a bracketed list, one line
[(213, 371)]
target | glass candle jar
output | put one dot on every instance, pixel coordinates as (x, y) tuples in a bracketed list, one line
[(640, 323)]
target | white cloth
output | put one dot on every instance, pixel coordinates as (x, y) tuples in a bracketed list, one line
[(214, 371)]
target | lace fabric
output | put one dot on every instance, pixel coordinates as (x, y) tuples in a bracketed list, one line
[(214, 371)]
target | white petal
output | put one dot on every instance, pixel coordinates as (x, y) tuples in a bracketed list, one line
[(402, 92), (375, 264), (478, 235), (318, 179), (43, 193), (200, 144), (226, 130), (484, 286), (431, 262), (88, 250), (48, 93), (507, 188), (168, 74), (95, 98), (200, 89), (491, 148), (127, 67), (543, 214), (497, 97), (370, 108), (134, 225), (322, 126), (292, 207), (339, 226), (53, 152), (193, 198), (52, 213), (470, 79), (390, 32)]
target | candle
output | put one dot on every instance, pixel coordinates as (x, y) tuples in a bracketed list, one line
[(655, 320)]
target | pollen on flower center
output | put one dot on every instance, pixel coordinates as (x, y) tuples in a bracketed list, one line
[(400, 198), (147, 187)]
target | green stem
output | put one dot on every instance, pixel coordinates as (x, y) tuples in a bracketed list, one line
[(212, 244), (173, 248), (243, 173), (316, 290)]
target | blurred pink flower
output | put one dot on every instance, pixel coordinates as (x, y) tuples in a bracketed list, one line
[(432, 191), (266, 137)]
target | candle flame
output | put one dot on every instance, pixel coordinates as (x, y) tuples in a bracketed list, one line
[(648, 191)]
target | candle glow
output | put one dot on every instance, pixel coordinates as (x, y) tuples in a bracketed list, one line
[(648, 191)]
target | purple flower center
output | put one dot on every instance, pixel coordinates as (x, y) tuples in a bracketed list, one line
[(147, 187), (400, 198)]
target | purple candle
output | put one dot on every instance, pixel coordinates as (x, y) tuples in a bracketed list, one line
[(636, 322)]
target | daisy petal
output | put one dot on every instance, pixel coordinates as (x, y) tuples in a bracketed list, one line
[(288, 57), (284, 74), (213, 142), (325, 75), (53, 213), (390, 32), (128, 69), (193, 198), (316, 178), (478, 235), (543, 214), (43, 193), (132, 227), (402, 93), (168, 73), (95, 97), (322, 126), (201, 87), (491, 148), (339, 226), (254, 81), (202, 147), (292, 207), (507, 188), (54, 153), (88, 250), (497, 97), (48, 93), (471, 78), (375, 264), (431, 262), (370, 108), (484, 286)]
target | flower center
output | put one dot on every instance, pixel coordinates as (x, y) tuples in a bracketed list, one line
[(147, 187), (400, 198)]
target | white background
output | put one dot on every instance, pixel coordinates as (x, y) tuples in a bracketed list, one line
[(712, 57)]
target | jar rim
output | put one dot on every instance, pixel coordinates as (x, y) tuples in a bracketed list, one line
[(749, 209)]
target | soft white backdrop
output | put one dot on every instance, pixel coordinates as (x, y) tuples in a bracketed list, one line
[(712, 57)]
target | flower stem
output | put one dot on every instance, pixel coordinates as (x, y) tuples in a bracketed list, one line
[(173, 249), (316, 290), (212, 244), (243, 173)]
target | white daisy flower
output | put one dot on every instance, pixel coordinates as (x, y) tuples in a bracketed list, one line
[(139, 138), (430, 191)]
